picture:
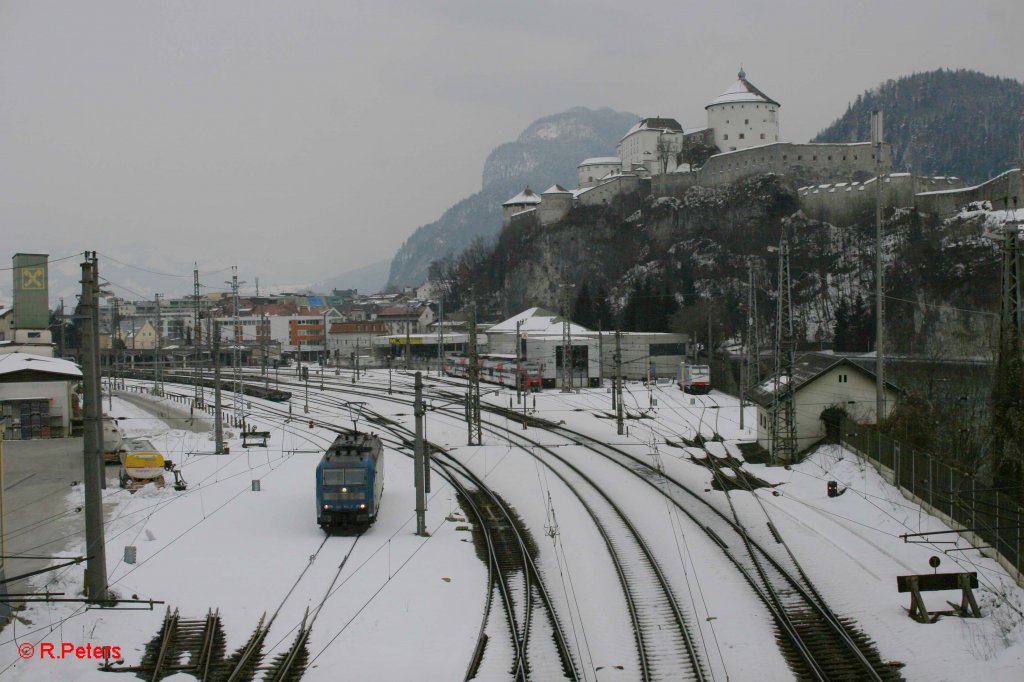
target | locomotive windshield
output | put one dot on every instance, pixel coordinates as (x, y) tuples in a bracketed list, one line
[(344, 476)]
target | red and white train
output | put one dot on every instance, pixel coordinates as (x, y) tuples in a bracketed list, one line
[(498, 369)]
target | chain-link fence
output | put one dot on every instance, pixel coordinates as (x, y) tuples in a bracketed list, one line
[(972, 505)]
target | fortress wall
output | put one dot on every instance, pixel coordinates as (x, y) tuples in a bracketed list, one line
[(1000, 191)]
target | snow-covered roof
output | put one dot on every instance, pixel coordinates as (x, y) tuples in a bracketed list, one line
[(809, 367), (4, 311), (600, 161), (535, 321), (527, 196), (27, 362), (556, 189), (742, 91), (658, 124)]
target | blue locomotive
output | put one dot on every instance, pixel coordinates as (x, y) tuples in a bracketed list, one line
[(350, 482)]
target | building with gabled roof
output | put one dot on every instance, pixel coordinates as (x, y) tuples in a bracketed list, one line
[(37, 396), (822, 381)]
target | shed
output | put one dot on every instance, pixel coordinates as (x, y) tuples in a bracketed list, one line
[(822, 381)]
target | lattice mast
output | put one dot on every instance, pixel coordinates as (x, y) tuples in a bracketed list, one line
[(783, 433), (197, 339), (236, 350), (473, 394), (1007, 397), (158, 356)]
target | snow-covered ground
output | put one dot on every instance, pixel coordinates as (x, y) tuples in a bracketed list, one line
[(406, 607)]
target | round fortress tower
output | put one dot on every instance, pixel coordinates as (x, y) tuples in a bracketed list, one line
[(743, 116)]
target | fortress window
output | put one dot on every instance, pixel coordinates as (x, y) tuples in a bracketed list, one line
[(800, 157), (785, 157), (829, 157), (854, 157), (762, 136), (725, 137), (844, 158), (746, 121), (741, 136), (814, 158)]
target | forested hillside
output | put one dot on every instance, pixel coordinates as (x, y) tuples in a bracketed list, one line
[(961, 123)]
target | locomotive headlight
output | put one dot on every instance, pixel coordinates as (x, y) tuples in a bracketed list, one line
[(344, 490), (362, 506), (327, 506)]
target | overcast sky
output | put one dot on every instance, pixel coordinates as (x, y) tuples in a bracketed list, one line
[(299, 139)]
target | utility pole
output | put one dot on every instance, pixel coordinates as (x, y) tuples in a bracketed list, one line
[(519, 364), (63, 346), (5, 605), (440, 337), (876, 142), (358, 351), (408, 343), (617, 390), (264, 334), (566, 342), (158, 367), (96, 552), (783, 433), (749, 341), (473, 396), (218, 429), (419, 462), (197, 345), (236, 355)]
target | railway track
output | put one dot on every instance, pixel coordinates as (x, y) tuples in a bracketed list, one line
[(817, 644), (664, 644), (514, 579)]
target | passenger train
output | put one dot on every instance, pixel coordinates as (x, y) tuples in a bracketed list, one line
[(498, 369), (350, 483), (694, 378)]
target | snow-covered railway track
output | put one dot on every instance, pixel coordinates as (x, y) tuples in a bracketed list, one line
[(818, 644), (665, 646), (539, 649)]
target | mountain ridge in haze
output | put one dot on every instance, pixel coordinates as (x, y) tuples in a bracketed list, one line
[(545, 153)]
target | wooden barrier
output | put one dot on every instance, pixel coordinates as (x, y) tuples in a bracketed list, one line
[(935, 582)]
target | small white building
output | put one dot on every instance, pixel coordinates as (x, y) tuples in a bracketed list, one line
[(591, 170), (37, 398), (743, 116), (822, 381)]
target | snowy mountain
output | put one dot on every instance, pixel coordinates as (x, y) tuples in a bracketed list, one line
[(547, 152)]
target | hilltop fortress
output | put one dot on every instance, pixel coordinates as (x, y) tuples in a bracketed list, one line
[(836, 181)]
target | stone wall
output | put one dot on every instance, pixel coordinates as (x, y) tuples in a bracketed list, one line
[(844, 203), (1000, 191), (554, 206), (606, 192)]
